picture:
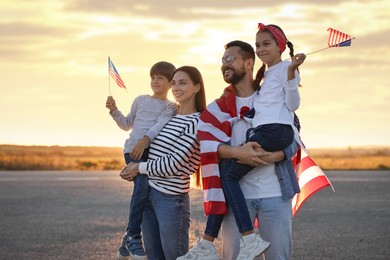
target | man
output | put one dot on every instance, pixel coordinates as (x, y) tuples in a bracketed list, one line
[(267, 189)]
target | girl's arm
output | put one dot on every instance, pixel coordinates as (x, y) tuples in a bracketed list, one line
[(292, 94)]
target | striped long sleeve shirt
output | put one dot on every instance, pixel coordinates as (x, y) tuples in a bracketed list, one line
[(174, 155)]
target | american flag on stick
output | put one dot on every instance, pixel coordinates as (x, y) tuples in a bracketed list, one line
[(338, 39), (115, 75)]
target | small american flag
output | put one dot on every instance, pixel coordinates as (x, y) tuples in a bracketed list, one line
[(115, 75), (338, 39)]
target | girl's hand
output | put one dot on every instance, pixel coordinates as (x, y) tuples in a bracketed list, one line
[(296, 61)]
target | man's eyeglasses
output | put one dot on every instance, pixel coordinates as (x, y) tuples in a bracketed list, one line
[(228, 59)]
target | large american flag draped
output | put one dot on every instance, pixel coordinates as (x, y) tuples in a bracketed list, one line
[(310, 178), (338, 39), (214, 128), (115, 75)]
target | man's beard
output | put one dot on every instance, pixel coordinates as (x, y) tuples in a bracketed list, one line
[(236, 77)]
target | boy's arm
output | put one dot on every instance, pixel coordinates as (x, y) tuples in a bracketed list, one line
[(139, 147), (125, 122), (164, 117)]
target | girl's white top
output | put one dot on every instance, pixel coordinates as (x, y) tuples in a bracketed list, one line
[(278, 98), (261, 182)]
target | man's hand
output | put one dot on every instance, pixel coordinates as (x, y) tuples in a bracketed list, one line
[(251, 153)]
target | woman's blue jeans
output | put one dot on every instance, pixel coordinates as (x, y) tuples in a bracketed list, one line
[(166, 224)]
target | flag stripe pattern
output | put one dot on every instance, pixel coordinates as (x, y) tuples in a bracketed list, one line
[(310, 178), (115, 75), (338, 39), (214, 128)]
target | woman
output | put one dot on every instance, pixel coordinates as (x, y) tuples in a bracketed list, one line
[(173, 157)]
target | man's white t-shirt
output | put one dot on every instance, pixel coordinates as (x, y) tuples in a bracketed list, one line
[(262, 181)]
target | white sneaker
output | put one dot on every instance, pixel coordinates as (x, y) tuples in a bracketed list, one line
[(250, 250), (200, 252)]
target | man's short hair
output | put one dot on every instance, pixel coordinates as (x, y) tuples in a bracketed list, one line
[(247, 51)]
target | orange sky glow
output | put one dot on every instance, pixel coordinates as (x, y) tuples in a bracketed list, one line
[(54, 78)]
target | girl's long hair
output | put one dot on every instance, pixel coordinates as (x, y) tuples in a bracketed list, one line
[(260, 72)]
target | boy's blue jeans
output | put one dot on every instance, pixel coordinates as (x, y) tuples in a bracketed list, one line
[(272, 137), (138, 199)]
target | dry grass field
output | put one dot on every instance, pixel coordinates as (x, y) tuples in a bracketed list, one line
[(16, 157)]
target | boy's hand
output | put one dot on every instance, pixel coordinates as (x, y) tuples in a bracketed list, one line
[(110, 103), (139, 148)]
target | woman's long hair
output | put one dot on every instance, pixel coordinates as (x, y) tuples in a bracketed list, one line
[(200, 105)]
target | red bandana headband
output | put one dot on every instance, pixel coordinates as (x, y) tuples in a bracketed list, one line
[(278, 34)]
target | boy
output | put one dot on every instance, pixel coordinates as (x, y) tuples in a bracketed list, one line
[(147, 116)]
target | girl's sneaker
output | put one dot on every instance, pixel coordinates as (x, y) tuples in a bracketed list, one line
[(200, 252)]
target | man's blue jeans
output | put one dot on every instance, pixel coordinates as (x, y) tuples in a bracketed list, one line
[(275, 226), (165, 225), (138, 199)]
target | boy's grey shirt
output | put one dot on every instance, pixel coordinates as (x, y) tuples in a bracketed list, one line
[(147, 116)]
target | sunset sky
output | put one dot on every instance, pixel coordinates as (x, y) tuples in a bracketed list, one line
[(54, 78)]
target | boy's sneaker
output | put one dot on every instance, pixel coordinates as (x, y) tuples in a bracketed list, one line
[(250, 250), (135, 248), (123, 254), (200, 252)]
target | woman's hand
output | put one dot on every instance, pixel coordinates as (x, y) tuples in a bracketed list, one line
[(129, 172)]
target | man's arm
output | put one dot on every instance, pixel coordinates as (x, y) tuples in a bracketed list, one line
[(250, 153)]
